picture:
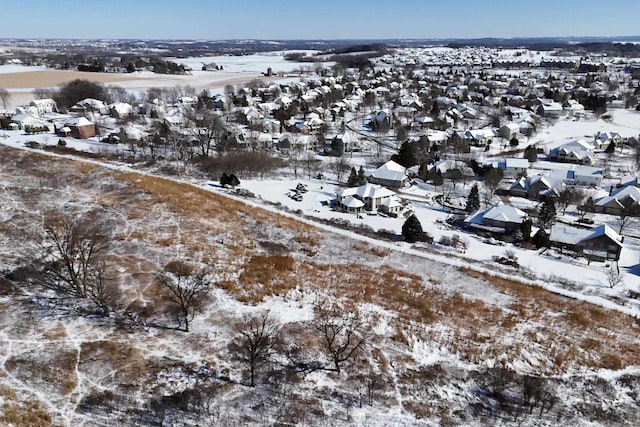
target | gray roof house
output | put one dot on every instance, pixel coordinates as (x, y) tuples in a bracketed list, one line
[(598, 244), (498, 219)]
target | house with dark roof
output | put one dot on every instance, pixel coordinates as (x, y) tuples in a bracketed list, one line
[(536, 188), (499, 219), (597, 244), (625, 199)]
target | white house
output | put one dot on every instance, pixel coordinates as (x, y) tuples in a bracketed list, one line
[(44, 106), (479, 137), (509, 130), (514, 167), (390, 174), (579, 151), (373, 197), (580, 175)]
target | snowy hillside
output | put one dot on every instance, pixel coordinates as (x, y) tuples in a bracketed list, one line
[(358, 333)]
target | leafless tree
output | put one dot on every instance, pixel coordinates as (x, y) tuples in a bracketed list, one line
[(254, 346), (342, 335), (43, 93), (73, 261), (104, 290), (187, 288), (207, 129), (492, 180), (614, 278), (74, 246), (627, 217), (311, 164), (5, 97), (340, 165)]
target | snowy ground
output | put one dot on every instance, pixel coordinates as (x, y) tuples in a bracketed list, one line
[(550, 268)]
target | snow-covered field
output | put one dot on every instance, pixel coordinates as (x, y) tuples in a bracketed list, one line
[(256, 63)]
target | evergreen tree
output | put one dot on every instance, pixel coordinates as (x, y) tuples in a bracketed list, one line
[(525, 229), (407, 155), (473, 200), (540, 239), (610, 148), (224, 179), (233, 180), (337, 147), (547, 213), (353, 178), (530, 153), (412, 230), (362, 178)]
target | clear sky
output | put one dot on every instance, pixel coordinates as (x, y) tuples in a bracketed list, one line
[(323, 19)]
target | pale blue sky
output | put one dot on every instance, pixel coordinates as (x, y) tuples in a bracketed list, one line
[(324, 19)]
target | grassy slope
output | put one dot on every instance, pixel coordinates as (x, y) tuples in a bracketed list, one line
[(425, 342)]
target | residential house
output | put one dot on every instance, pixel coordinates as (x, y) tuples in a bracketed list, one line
[(549, 108), (509, 130), (390, 174), (499, 219), (44, 106), (578, 152), (350, 140), (120, 110), (625, 199), (586, 176), (374, 197), (514, 167), (597, 244), (603, 139), (479, 137), (574, 108), (90, 105), (536, 188), (76, 127), (25, 121)]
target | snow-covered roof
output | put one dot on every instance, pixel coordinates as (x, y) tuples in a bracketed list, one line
[(372, 191), (615, 198), (499, 212), (562, 233), (77, 121), (352, 202), (517, 163), (390, 171)]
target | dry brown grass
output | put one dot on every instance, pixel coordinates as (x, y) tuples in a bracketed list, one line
[(120, 362), (578, 333), (57, 373), (24, 414)]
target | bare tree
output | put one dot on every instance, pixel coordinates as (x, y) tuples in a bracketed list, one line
[(492, 180), (208, 129), (254, 346), (73, 248), (5, 97), (43, 93), (104, 290), (73, 261), (187, 288), (614, 278), (342, 335), (627, 217), (340, 165)]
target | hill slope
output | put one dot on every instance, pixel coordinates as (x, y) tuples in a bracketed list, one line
[(431, 343)]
